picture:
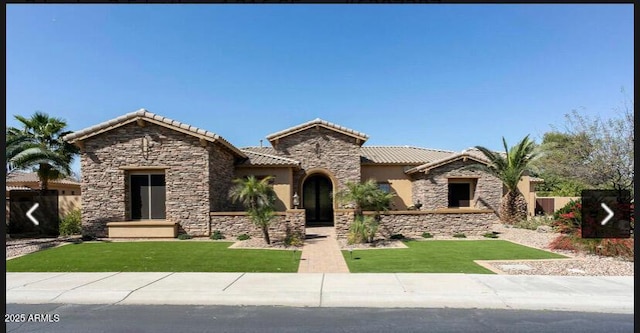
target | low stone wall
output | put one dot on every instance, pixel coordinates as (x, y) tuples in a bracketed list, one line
[(414, 223), (233, 224)]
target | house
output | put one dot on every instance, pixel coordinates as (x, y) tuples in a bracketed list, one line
[(68, 189), (144, 175)]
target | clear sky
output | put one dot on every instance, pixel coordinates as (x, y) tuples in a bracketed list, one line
[(435, 76)]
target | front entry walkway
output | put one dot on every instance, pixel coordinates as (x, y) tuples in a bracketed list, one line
[(321, 252)]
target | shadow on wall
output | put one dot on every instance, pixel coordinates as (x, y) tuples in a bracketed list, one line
[(67, 203)]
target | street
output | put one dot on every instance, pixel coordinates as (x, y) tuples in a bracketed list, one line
[(66, 318)]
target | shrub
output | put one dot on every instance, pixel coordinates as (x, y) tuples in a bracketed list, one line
[(491, 235), (397, 236), (216, 234), (243, 237), (292, 239), (534, 222), (568, 218), (88, 237), (362, 230), (427, 235), (71, 224), (459, 235), (563, 242), (184, 236), (617, 247)]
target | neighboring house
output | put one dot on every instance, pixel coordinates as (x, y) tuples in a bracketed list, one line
[(68, 189), (144, 175)]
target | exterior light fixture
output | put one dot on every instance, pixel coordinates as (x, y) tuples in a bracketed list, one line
[(296, 200)]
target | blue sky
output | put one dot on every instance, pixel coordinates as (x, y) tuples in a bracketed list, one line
[(436, 76)]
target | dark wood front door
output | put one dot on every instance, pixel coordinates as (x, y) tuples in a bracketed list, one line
[(317, 200)]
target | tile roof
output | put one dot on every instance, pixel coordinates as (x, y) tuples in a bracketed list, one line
[(406, 155), (32, 177), (156, 119), (11, 188), (318, 122), (474, 155), (260, 157)]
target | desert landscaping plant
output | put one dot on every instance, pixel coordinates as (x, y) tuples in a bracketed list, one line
[(216, 235), (365, 196), (71, 223), (258, 198), (509, 167)]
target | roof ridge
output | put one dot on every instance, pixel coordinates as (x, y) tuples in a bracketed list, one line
[(317, 121)]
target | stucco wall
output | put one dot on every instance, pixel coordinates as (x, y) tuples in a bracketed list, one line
[(432, 188), (105, 191), (399, 181), (322, 149)]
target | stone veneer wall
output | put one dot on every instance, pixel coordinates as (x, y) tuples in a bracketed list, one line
[(414, 223), (221, 174), (233, 224), (322, 148), (432, 188), (105, 190)]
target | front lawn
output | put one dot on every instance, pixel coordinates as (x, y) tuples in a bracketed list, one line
[(190, 256), (440, 256)]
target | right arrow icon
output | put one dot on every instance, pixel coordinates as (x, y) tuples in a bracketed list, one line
[(609, 211)]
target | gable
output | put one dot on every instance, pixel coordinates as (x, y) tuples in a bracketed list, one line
[(357, 137), (141, 118)]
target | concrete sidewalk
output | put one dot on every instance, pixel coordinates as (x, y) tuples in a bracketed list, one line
[(606, 294)]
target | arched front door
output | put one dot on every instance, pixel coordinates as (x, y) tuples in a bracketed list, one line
[(317, 200)]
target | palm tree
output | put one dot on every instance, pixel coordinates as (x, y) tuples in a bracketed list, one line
[(39, 145), (365, 196), (258, 197), (509, 168)]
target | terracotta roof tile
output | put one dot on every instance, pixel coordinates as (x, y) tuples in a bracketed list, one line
[(400, 155), (31, 177), (262, 157), (320, 122), (144, 114)]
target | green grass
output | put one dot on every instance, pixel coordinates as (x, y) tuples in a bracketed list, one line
[(445, 256), (183, 256)]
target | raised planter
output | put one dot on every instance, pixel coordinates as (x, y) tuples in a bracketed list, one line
[(143, 229)]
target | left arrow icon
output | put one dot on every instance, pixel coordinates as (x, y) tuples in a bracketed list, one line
[(33, 219)]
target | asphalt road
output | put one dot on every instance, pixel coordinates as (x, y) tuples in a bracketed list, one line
[(52, 318)]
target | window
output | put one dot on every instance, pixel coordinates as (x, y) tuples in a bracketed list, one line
[(461, 192), (385, 187), (148, 196)]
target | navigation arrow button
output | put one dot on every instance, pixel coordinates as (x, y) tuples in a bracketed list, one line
[(33, 219), (609, 211)]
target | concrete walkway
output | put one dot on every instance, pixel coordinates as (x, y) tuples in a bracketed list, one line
[(608, 294), (321, 252)]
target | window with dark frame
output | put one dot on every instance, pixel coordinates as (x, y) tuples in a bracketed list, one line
[(459, 195)]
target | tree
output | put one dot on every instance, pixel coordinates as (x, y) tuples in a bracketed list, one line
[(367, 196), (609, 155), (258, 198), (509, 168), (39, 145), (590, 152)]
